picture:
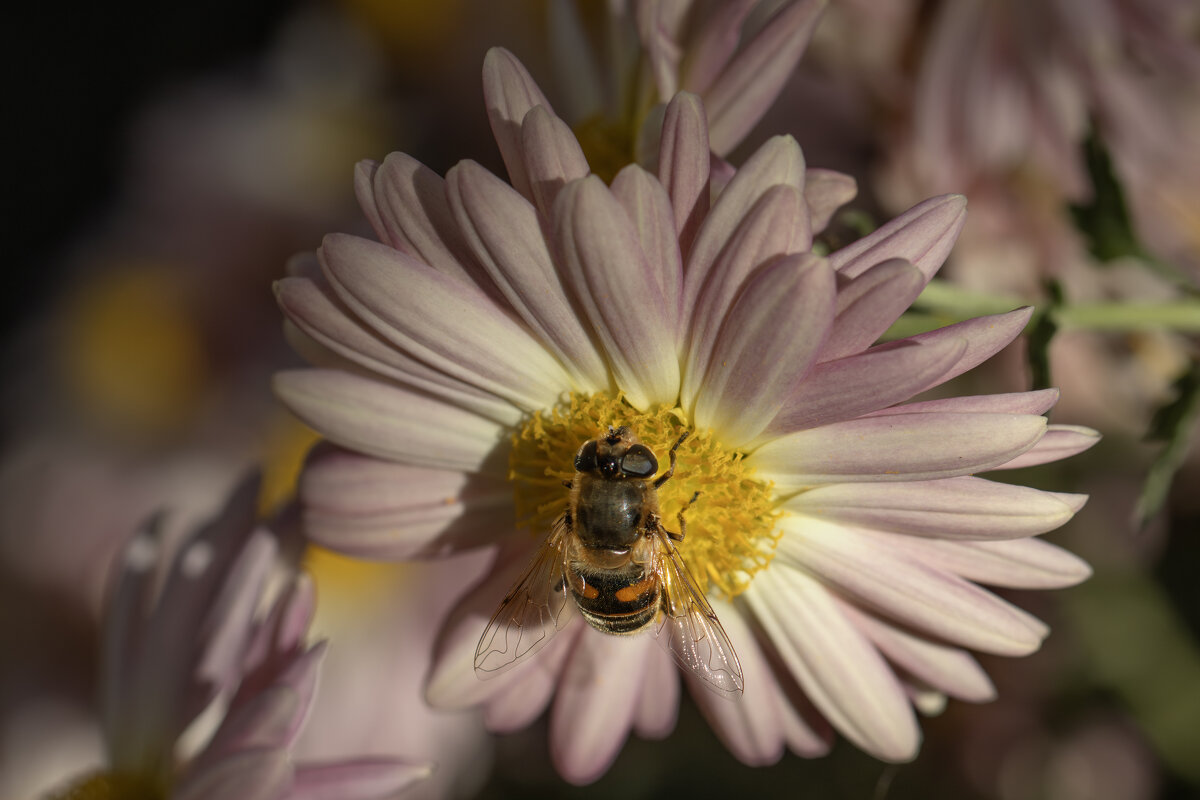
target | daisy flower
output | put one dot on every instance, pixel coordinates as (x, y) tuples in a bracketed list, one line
[(202, 696), (841, 534)]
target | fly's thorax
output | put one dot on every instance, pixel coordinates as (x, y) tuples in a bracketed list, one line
[(611, 513)]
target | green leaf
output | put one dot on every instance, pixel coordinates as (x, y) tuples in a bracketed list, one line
[(1173, 423)]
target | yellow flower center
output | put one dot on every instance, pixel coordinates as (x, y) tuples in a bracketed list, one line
[(731, 531), (110, 786), (607, 145)]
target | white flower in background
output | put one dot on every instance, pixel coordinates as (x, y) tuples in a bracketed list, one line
[(841, 533)]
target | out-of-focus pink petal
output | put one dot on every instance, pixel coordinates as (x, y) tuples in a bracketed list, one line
[(750, 725), (923, 236), (864, 568), (503, 232), (901, 447), (948, 669), (1018, 563), (856, 385), (509, 92), (379, 509), (749, 84), (953, 508), (594, 710), (553, 157), (619, 294), (658, 700), (841, 671), (360, 779), (660, 26), (825, 191), (869, 304), (778, 161), (714, 42), (425, 312), (263, 774), (753, 369), (645, 201), (767, 232), (683, 162), (389, 422), (1060, 441)]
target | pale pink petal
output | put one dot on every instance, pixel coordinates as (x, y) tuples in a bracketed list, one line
[(869, 571), (838, 669), (1018, 563), (649, 209), (778, 162), (364, 191), (619, 294), (391, 423), (767, 232), (503, 232), (955, 508), (750, 726), (425, 313), (859, 384), (769, 339), (553, 157), (658, 701), (251, 775), (509, 92), (869, 304), (412, 202), (749, 84), (316, 312), (949, 669), (594, 709), (359, 779), (985, 337), (1060, 441), (923, 236), (265, 720), (825, 191), (1036, 402), (683, 162), (901, 447), (376, 509)]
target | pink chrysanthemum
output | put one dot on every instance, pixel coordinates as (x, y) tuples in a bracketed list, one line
[(183, 639), (841, 535)]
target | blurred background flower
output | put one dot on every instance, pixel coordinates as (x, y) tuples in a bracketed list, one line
[(141, 330)]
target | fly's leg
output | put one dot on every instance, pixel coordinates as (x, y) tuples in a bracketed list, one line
[(678, 537), (666, 476)]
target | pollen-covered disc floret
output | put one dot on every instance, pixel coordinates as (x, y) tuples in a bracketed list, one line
[(731, 532)]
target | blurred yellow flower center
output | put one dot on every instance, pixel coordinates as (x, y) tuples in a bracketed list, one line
[(607, 145), (110, 786), (731, 530)]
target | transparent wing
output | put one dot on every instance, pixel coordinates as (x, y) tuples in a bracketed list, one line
[(689, 628), (535, 609)]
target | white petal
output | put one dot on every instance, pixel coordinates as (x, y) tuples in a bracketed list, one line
[(835, 665)]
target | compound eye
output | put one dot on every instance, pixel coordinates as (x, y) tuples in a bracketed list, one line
[(639, 462), (585, 459)]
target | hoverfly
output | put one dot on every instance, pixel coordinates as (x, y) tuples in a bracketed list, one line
[(609, 555)]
